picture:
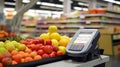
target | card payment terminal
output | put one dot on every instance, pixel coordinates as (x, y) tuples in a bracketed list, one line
[(84, 44)]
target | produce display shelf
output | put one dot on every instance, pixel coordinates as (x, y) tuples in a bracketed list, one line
[(72, 26), (62, 31), (110, 11), (101, 21), (60, 22), (92, 15), (40, 62)]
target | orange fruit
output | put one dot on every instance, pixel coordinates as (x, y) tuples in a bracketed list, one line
[(63, 42), (21, 52), (65, 37), (37, 57), (27, 59), (22, 60), (28, 50), (17, 58), (1, 65), (14, 52), (26, 55), (14, 62), (33, 54)]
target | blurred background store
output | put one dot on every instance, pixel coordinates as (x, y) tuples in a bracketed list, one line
[(68, 16)]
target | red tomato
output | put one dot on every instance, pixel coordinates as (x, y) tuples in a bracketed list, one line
[(45, 56), (33, 47), (59, 53), (40, 46), (48, 49), (40, 52), (53, 54), (48, 42)]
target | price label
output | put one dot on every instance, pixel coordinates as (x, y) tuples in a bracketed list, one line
[(88, 22), (82, 17), (81, 27)]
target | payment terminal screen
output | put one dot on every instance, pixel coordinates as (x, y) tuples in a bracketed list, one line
[(82, 39)]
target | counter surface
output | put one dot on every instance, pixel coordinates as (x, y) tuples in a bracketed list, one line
[(70, 63)]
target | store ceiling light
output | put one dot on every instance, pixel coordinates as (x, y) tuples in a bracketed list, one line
[(25, 1), (49, 7), (84, 4), (61, 0), (85, 9), (112, 1), (51, 4), (9, 3), (9, 9), (77, 8), (38, 3)]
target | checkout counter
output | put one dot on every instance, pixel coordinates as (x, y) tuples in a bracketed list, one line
[(100, 62)]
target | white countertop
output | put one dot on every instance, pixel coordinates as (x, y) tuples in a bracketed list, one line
[(70, 63)]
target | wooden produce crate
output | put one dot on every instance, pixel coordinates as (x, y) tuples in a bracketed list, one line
[(110, 43), (105, 42), (108, 30), (117, 50)]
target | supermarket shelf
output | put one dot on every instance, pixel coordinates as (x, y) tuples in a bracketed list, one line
[(28, 24), (71, 26), (60, 31), (30, 31), (61, 22), (102, 21), (116, 43), (91, 15), (113, 12)]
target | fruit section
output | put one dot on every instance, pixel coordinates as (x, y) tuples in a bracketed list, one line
[(47, 45)]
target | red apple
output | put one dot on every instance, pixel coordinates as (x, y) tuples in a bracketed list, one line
[(59, 53), (40, 52), (48, 42), (45, 56), (48, 49), (6, 54), (41, 41), (28, 40), (55, 48), (53, 54), (1, 56), (7, 61)]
